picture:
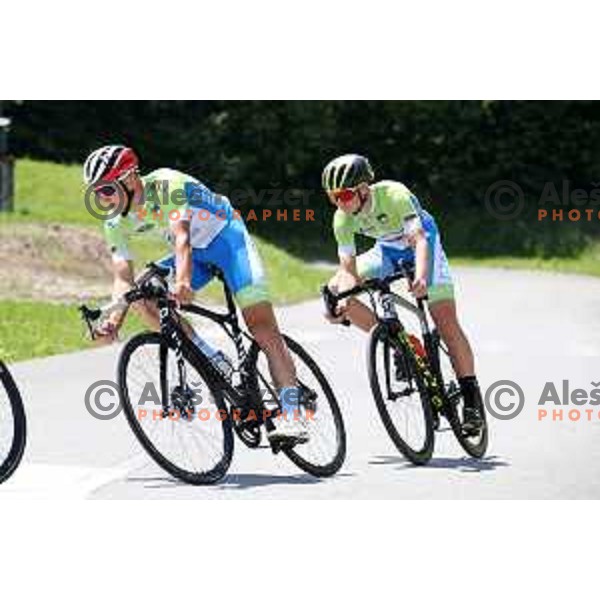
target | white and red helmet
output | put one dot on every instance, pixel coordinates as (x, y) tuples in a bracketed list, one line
[(109, 163)]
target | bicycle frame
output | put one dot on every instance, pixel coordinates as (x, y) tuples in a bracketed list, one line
[(229, 322), (174, 336), (389, 300), (177, 339)]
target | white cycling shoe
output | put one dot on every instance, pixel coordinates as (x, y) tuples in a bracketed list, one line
[(293, 430)]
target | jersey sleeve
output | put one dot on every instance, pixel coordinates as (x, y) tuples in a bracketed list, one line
[(343, 230), (407, 207), (116, 239), (167, 188)]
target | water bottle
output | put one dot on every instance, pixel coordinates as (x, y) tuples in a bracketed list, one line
[(223, 364), (218, 358)]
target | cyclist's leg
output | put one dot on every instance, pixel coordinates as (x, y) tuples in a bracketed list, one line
[(235, 253), (442, 307)]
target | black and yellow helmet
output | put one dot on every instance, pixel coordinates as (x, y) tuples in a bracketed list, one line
[(346, 171)]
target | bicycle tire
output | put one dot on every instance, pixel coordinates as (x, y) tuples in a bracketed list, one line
[(417, 456), (17, 447)]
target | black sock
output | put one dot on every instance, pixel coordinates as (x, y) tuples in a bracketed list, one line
[(469, 386)]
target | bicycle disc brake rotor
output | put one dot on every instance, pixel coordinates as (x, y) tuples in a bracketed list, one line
[(183, 400)]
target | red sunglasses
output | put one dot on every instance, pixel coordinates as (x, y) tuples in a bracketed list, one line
[(344, 195)]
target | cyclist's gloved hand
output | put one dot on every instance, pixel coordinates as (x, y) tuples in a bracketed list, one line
[(106, 333)]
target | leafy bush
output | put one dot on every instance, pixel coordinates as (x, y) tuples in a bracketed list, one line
[(448, 152)]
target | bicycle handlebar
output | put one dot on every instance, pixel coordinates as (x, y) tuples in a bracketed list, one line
[(141, 290), (331, 298)]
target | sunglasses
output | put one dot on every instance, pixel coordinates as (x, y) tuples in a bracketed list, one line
[(106, 190), (344, 195), (111, 189)]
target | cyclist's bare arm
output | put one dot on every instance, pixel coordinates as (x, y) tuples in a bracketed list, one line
[(346, 276), (106, 332), (418, 241), (183, 261), (123, 279)]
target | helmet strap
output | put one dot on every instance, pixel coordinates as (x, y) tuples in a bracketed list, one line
[(129, 196), (363, 201)]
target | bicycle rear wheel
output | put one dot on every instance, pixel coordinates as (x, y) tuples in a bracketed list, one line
[(401, 395), (13, 425), (453, 407), (185, 428), (325, 451), (473, 445)]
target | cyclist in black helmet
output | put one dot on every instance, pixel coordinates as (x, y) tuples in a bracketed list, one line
[(389, 213)]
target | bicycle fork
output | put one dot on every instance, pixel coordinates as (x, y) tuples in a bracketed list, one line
[(171, 337), (422, 356)]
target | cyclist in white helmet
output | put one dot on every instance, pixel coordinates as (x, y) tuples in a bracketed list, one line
[(389, 213), (203, 230)]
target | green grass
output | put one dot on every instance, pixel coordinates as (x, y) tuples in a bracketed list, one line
[(34, 329), (48, 192)]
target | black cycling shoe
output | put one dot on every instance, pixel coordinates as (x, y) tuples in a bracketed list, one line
[(472, 422)]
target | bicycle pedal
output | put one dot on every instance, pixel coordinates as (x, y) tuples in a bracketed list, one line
[(278, 445)]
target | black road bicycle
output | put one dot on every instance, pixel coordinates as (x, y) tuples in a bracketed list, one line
[(412, 382), (13, 426), (183, 408)]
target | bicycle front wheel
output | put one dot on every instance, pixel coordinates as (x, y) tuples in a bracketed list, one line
[(325, 451), (13, 426), (401, 395), (180, 419)]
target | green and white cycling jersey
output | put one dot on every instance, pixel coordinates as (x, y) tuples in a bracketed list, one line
[(394, 213), (170, 196), (217, 235)]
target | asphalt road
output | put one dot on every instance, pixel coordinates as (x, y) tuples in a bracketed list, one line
[(531, 328)]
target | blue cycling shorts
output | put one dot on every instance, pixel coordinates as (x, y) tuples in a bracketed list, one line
[(382, 260), (233, 251)]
